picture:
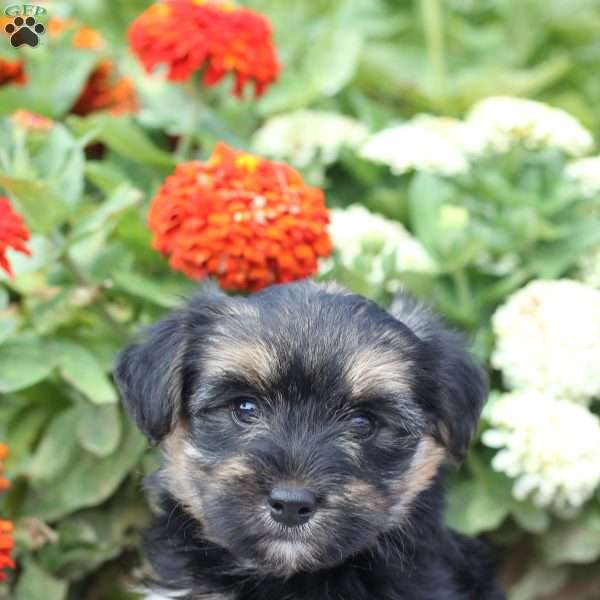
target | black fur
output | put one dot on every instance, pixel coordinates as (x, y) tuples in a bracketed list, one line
[(428, 563), (310, 357)]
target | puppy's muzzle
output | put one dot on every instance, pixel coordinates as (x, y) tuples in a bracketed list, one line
[(292, 506)]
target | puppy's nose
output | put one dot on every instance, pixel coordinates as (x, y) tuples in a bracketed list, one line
[(292, 506)]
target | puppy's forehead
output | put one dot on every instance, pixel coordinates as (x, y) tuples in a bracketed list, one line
[(322, 339), (236, 345), (377, 370)]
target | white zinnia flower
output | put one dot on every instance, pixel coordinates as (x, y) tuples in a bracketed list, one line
[(306, 136), (504, 120), (548, 339), (357, 233), (433, 144), (586, 173), (550, 447)]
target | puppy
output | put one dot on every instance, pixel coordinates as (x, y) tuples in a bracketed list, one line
[(304, 431)]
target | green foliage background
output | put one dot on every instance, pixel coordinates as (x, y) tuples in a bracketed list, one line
[(77, 462)]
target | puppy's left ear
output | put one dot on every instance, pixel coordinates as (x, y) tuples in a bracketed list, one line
[(150, 377), (458, 386)]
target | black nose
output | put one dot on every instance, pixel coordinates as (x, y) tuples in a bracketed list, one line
[(292, 506)]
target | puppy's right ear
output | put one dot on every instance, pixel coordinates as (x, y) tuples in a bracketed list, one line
[(150, 377)]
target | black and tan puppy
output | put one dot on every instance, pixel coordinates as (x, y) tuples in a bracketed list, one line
[(304, 429)]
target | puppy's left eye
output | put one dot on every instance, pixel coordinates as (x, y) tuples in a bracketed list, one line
[(363, 424), (245, 411)]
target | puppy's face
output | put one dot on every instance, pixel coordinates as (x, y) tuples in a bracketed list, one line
[(298, 424)]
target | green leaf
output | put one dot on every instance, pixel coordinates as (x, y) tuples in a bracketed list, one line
[(148, 289), (530, 518), (328, 66), (104, 175), (87, 481), (123, 198), (102, 267), (23, 362), (554, 259), (91, 537), (99, 428), (24, 429), (57, 448), (574, 541), (291, 92), (80, 368), (55, 76), (391, 202), (8, 326), (427, 193), (42, 208), (397, 72), (158, 96), (59, 94), (333, 59), (124, 137), (61, 162), (479, 504), (35, 584), (50, 313)]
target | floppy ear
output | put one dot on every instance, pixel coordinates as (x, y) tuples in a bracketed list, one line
[(457, 387), (150, 377)]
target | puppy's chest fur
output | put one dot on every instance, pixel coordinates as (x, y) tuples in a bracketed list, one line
[(432, 563), (435, 583)]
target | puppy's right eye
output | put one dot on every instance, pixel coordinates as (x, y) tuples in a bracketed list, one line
[(245, 411)]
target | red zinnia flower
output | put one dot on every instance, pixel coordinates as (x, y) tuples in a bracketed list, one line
[(13, 233), (247, 221), (7, 542), (188, 35), (12, 71)]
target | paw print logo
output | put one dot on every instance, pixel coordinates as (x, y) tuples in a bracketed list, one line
[(24, 31)]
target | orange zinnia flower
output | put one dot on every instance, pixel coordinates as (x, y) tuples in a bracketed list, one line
[(7, 542), (4, 483), (188, 35), (13, 233), (247, 221), (12, 71), (84, 37), (104, 90)]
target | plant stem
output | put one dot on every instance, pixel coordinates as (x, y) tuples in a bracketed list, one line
[(464, 296), (434, 34)]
